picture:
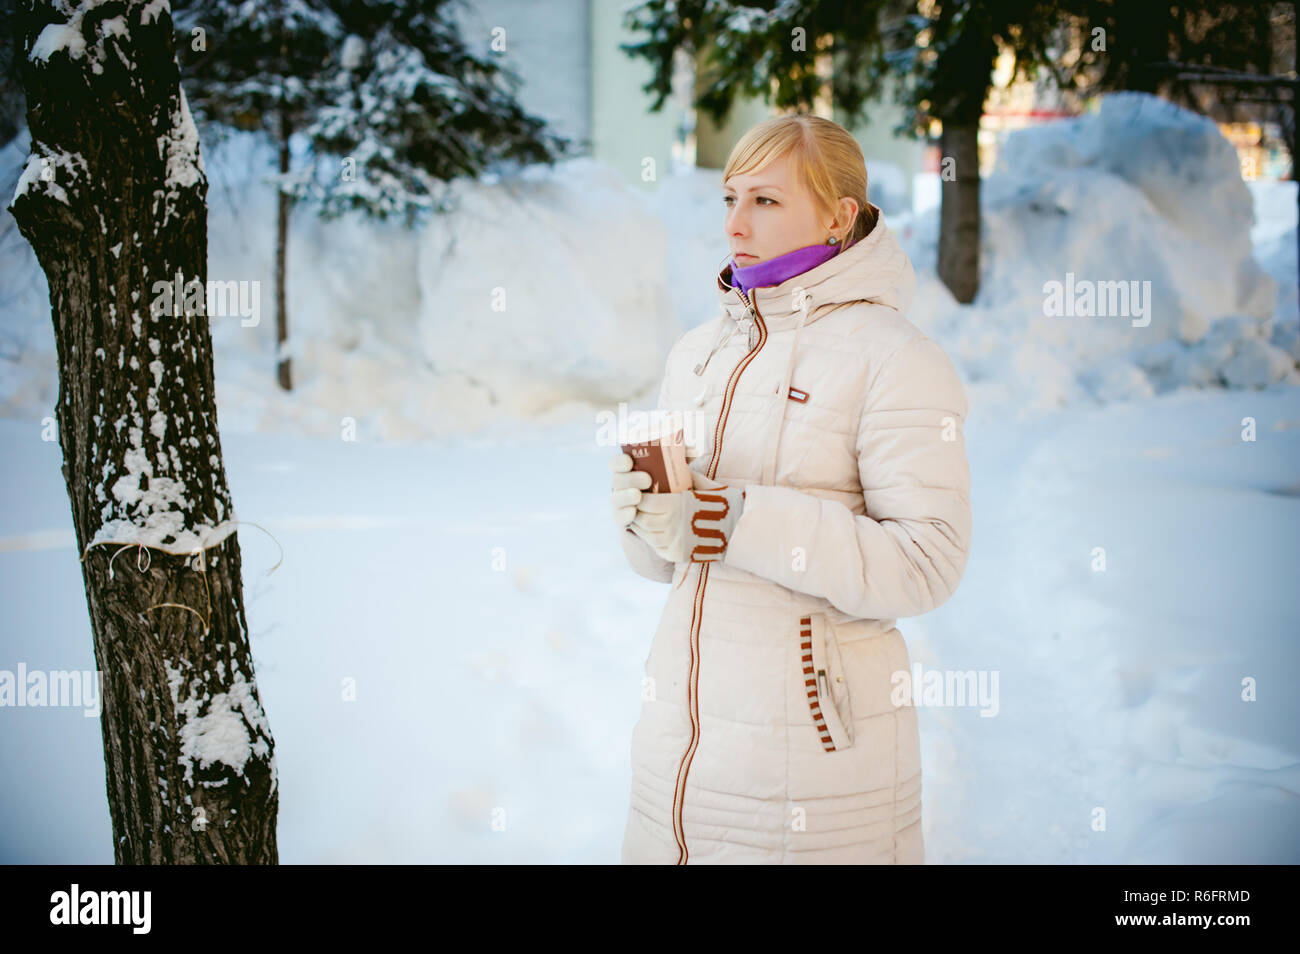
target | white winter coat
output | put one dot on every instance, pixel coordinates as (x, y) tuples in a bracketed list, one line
[(767, 732)]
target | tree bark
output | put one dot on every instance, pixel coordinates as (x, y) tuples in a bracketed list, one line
[(113, 201), (281, 246), (959, 210), (1293, 143)]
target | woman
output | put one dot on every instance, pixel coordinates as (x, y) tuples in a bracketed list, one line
[(831, 499)]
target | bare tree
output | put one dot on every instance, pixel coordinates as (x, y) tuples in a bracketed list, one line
[(113, 200)]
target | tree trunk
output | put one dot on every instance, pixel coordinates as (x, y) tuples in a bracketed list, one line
[(1293, 143), (959, 210), (281, 244), (1293, 131), (113, 201)]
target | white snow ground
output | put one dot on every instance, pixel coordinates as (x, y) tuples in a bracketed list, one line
[(496, 635)]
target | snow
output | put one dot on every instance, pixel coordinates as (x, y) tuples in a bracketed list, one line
[(153, 10), (354, 48), (181, 149), (1118, 688), (216, 729), (55, 37), (578, 315), (50, 170), (1141, 193), (68, 37), (1129, 592)]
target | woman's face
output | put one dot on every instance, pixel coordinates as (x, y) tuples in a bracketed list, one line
[(770, 212)]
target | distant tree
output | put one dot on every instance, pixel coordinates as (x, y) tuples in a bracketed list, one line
[(391, 102), (939, 57), (262, 66), (1230, 61), (1131, 46), (411, 108), (12, 104)]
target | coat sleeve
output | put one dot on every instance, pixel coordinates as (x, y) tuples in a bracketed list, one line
[(907, 555), (643, 558), (640, 555)]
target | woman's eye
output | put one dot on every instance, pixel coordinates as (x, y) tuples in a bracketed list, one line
[(763, 198)]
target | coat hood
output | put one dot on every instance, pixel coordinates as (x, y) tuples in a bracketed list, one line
[(874, 269)]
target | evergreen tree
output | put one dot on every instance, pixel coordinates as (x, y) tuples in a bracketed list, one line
[(264, 66), (940, 63), (391, 101), (412, 108)]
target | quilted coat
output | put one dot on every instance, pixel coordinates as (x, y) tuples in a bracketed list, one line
[(770, 731)]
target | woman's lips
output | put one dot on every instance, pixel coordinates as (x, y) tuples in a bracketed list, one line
[(744, 255)]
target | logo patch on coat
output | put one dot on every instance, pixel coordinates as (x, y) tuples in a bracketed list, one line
[(798, 395)]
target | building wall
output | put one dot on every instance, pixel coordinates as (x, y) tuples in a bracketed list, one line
[(879, 144), (625, 133), (548, 46), (573, 74)]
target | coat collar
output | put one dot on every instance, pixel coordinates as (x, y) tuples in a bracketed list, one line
[(873, 269)]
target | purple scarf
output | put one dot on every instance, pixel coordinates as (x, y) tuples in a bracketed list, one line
[(774, 271)]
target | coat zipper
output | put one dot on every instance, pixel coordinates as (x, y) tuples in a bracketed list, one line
[(693, 676)]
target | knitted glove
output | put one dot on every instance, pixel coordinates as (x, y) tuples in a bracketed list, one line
[(693, 525), (625, 488)]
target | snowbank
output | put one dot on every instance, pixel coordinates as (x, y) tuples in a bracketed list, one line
[(1138, 214), (547, 289), (559, 292), (398, 332)]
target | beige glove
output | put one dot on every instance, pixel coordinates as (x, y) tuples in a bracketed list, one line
[(627, 484), (625, 488), (692, 525)]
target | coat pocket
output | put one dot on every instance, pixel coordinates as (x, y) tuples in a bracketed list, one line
[(824, 683)]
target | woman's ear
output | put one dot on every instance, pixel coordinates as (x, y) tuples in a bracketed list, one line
[(850, 208)]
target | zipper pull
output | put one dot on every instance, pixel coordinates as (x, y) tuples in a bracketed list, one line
[(699, 368), (753, 321)]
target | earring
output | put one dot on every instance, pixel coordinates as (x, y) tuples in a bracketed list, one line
[(832, 240)]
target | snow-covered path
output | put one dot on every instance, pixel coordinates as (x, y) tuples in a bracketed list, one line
[(1121, 688), (496, 638)]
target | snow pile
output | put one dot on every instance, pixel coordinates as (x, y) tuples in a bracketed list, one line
[(547, 289), (396, 334), (1274, 238), (1116, 263), (560, 291)]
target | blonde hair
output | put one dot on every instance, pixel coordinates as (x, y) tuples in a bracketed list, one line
[(824, 156)]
